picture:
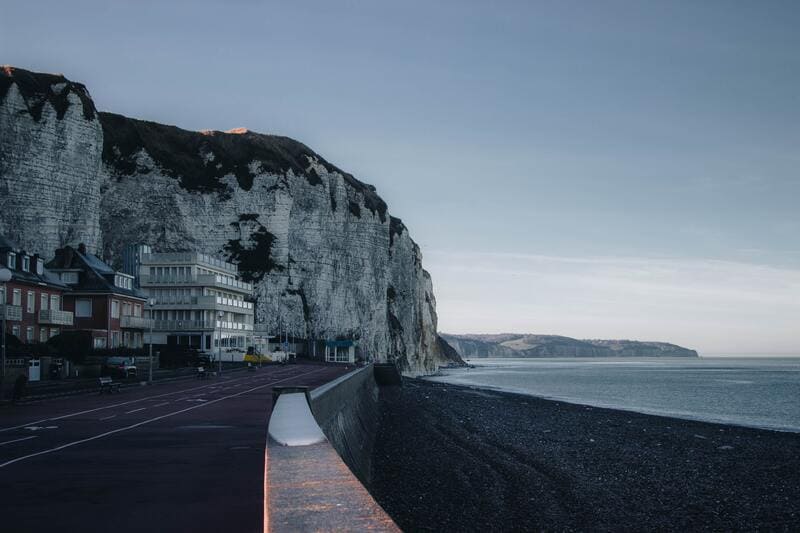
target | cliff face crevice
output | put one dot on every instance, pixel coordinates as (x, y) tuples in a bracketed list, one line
[(319, 244)]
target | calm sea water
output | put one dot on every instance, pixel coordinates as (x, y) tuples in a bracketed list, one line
[(759, 392)]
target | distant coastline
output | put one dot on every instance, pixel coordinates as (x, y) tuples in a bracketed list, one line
[(532, 345)]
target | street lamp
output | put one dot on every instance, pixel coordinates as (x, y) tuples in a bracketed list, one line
[(220, 315), (152, 303), (5, 277)]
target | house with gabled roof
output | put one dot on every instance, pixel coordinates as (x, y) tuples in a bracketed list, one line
[(104, 301)]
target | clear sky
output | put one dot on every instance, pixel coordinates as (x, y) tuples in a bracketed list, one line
[(626, 169)]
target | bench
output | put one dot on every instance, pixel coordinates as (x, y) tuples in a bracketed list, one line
[(201, 373), (108, 385)]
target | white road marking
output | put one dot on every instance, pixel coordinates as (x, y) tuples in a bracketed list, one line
[(135, 410), (37, 428), (18, 440), (143, 422), (108, 417), (160, 404), (120, 404)]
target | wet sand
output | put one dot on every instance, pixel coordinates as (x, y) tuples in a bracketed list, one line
[(451, 458)]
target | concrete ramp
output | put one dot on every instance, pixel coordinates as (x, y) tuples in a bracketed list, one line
[(307, 485)]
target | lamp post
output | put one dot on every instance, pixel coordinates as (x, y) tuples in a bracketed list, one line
[(220, 315), (152, 302), (5, 277)]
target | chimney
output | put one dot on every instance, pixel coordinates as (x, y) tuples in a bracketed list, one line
[(66, 257)]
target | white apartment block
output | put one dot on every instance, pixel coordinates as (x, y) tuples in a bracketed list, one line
[(198, 301)]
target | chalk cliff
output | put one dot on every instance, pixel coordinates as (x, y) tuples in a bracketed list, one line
[(517, 345), (325, 255)]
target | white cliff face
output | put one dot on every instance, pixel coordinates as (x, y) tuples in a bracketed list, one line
[(327, 259), (49, 165)]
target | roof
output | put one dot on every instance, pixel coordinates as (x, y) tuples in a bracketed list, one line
[(46, 278), (96, 275), (340, 344)]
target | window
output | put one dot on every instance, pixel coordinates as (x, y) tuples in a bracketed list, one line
[(11, 260), (53, 332), (114, 309), (55, 302), (31, 302), (83, 308), (99, 342), (17, 297), (29, 334), (2, 295), (15, 331), (137, 310), (69, 277), (115, 339), (43, 335), (137, 339), (43, 302), (126, 309), (126, 339), (39, 267), (26, 263)]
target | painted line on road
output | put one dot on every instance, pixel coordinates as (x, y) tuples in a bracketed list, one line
[(108, 417), (18, 440), (161, 404), (135, 410), (121, 404), (133, 426)]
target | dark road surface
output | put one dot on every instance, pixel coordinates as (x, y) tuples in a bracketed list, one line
[(183, 456)]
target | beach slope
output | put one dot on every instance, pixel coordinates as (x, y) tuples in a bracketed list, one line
[(453, 458)]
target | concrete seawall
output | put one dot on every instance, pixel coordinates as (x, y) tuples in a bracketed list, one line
[(347, 411), (318, 456)]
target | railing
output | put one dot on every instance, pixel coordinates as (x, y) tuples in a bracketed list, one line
[(134, 322), (55, 317), (187, 258), (200, 279), (208, 302), (182, 325), (194, 325), (11, 312)]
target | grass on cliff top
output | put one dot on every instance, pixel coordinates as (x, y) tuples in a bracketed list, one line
[(200, 159)]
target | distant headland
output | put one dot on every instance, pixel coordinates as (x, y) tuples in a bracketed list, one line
[(529, 345)]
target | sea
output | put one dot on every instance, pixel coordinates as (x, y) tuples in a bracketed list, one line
[(762, 392)]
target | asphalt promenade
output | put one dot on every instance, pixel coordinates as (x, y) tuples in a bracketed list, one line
[(178, 456)]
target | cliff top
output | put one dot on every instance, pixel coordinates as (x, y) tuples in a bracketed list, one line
[(199, 159), (38, 88)]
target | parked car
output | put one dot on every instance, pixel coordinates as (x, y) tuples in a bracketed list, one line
[(123, 367)]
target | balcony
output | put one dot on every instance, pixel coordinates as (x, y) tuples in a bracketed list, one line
[(207, 302), (197, 325), (134, 322), (11, 312), (187, 258), (202, 280), (182, 325), (55, 318)]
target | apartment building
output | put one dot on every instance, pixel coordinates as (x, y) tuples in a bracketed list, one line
[(33, 298), (199, 301)]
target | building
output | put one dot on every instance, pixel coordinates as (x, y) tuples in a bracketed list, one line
[(34, 297), (132, 260), (340, 351), (103, 301), (199, 302)]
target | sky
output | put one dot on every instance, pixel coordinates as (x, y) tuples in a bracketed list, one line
[(616, 169)]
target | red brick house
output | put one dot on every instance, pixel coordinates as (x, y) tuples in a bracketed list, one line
[(34, 297), (103, 301)]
